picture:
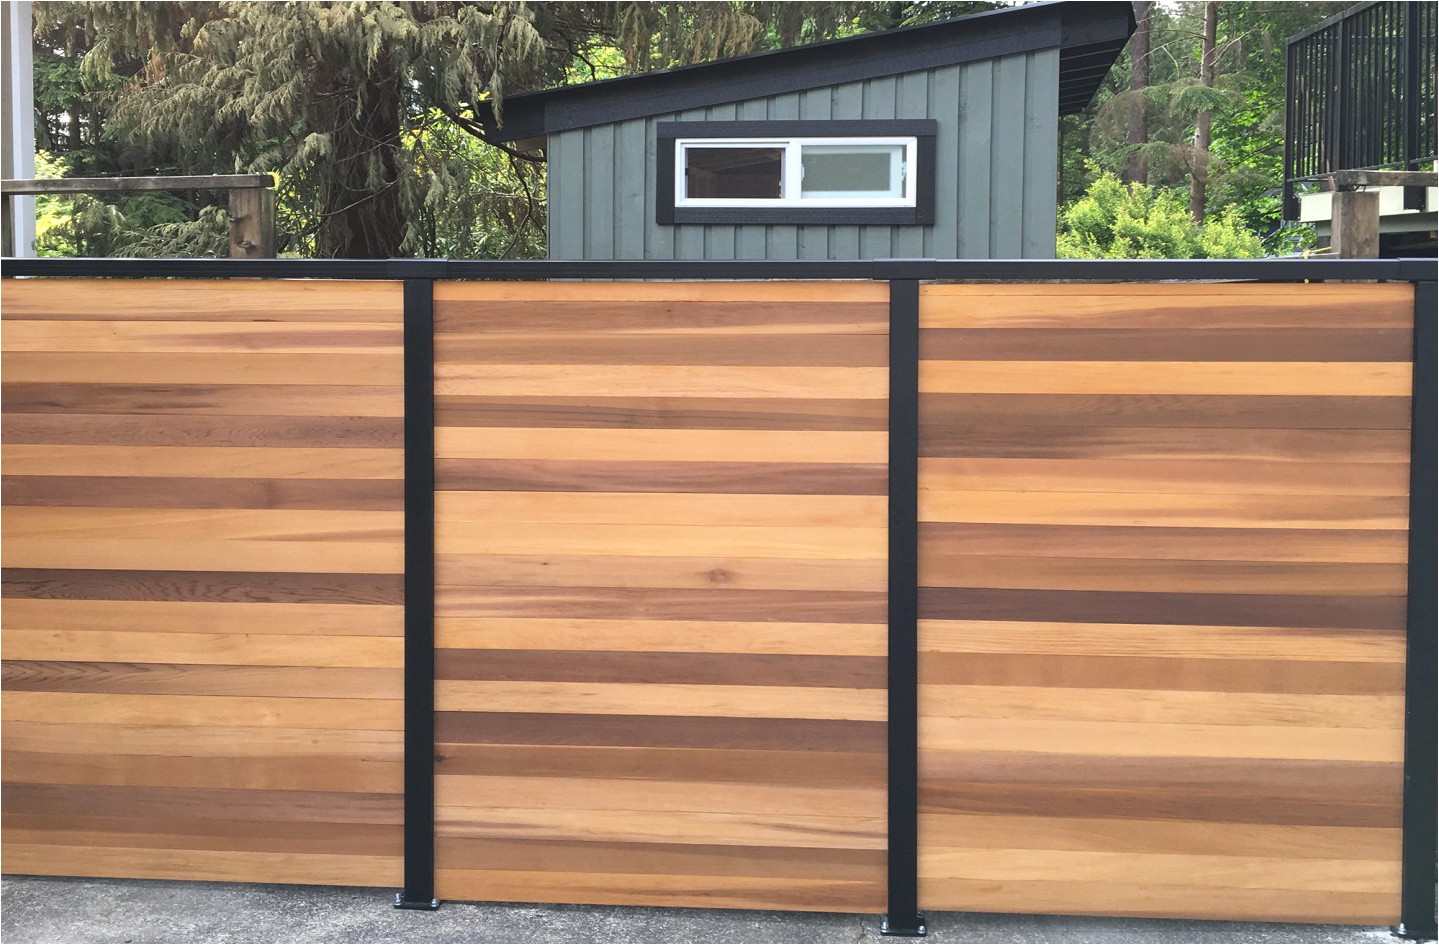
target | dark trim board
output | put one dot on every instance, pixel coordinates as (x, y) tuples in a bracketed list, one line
[(923, 130), (903, 917), (419, 341), (1075, 28), (980, 270), (1421, 702)]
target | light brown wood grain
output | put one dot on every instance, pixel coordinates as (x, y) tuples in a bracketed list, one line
[(211, 524), (1164, 509), (1160, 739), (693, 827), (664, 889), (201, 617), (1168, 707), (741, 541), (188, 367), (767, 291), (1082, 639), (224, 554), (679, 636), (200, 337), (245, 866), (582, 380), (1138, 305), (179, 645), (548, 570), (202, 462), (638, 508), (1193, 476), (470, 796), (125, 709), (754, 446), (1166, 377), (809, 702), (211, 300)]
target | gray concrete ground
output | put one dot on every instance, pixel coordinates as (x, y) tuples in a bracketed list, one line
[(36, 909)]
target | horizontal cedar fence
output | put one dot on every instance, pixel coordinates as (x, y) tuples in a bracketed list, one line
[(203, 553), (1168, 630), (660, 593), (1163, 541)]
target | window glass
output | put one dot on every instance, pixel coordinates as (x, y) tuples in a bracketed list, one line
[(852, 170), (752, 173)]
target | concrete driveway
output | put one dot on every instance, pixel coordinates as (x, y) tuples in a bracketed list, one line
[(39, 909)]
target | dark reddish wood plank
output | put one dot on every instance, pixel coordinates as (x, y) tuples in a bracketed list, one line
[(180, 493), (175, 430), (941, 413), (1133, 541), (837, 865), (201, 679), (1138, 672), (769, 766), (627, 603), (1166, 344), (341, 807), (661, 413), (719, 669), (217, 586), (1231, 610), (585, 346), (241, 399), (503, 475), (660, 731), (658, 315), (1105, 442)]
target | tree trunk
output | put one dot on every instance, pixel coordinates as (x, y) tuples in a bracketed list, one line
[(1135, 170), (362, 221), (1202, 121)]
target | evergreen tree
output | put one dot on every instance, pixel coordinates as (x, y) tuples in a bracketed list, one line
[(354, 103)]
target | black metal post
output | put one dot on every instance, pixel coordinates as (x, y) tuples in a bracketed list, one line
[(903, 917), (419, 890), (1414, 197), (1421, 763)]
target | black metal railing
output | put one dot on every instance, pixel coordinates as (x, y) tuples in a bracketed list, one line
[(1360, 94)]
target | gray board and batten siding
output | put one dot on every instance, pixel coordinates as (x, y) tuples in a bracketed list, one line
[(995, 172)]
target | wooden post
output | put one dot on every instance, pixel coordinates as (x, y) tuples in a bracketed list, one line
[(252, 223), (1354, 224)]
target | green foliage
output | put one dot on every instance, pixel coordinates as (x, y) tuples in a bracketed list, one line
[(1138, 221), (1245, 158), (371, 112)]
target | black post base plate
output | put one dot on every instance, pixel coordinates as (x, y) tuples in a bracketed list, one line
[(907, 926), (1416, 934), (428, 905)]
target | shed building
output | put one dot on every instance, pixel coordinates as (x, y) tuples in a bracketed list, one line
[(939, 140)]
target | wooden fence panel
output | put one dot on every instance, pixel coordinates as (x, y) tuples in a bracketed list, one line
[(661, 558), (1162, 568), (203, 537)]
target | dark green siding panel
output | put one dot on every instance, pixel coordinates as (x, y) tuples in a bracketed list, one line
[(976, 98), (1041, 150), (1006, 159), (996, 155)]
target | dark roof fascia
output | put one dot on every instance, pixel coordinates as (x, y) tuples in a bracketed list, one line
[(1084, 26)]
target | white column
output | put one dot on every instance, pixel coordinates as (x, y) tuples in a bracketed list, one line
[(17, 96)]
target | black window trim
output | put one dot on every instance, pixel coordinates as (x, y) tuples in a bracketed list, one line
[(921, 214)]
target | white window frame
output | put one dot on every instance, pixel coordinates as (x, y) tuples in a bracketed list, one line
[(792, 172)]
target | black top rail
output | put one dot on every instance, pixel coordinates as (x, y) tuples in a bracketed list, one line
[(1360, 95), (976, 270)]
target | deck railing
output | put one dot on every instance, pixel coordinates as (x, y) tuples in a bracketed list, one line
[(1360, 95)]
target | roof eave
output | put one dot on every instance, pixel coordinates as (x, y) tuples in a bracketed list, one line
[(869, 56)]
